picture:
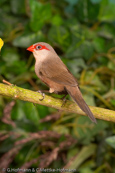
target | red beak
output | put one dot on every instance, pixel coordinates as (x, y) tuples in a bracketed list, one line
[(31, 48)]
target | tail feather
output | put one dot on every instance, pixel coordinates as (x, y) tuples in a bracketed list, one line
[(75, 93)]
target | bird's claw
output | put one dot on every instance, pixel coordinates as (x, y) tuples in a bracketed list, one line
[(64, 100), (43, 95)]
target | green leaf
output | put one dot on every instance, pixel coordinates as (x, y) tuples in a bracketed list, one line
[(25, 115), (75, 65), (6, 145), (96, 1), (99, 44), (17, 111), (25, 40), (89, 99), (31, 112), (111, 65), (13, 65), (72, 2), (107, 10), (113, 100), (82, 48), (87, 166), (18, 7), (42, 110), (112, 1), (2, 1), (12, 53), (57, 20), (40, 13), (61, 129), (86, 130), (59, 35), (95, 81), (107, 31), (87, 50), (111, 141), (87, 11), (83, 155)]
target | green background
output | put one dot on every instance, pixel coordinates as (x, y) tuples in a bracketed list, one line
[(83, 34)]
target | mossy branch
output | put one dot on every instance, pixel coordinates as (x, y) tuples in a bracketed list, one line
[(27, 95)]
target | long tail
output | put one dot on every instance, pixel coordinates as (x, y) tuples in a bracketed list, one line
[(75, 93)]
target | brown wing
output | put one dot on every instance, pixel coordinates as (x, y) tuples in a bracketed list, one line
[(55, 69)]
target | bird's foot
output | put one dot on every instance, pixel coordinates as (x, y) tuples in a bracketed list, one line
[(42, 93), (64, 100)]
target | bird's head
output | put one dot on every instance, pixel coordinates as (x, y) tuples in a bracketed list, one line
[(40, 49)]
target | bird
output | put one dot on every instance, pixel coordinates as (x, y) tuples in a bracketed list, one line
[(51, 70)]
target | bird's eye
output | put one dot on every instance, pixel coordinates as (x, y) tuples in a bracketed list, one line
[(38, 47)]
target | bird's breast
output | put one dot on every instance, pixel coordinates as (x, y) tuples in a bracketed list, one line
[(58, 88)]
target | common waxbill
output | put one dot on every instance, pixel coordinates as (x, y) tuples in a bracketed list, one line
[(54, 73)]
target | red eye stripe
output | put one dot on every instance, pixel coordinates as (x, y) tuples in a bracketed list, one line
[(42, 47)]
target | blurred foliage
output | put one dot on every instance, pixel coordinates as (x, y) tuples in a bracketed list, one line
[(83, 34)]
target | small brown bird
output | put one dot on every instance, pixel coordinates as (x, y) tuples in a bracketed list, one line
[(54, 73)]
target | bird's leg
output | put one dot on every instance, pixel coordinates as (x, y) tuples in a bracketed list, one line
[(42, 92), (45, 91), (64, 100)]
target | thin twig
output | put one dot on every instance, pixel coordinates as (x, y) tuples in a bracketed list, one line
[(6, 82), (8, 157), (7, 114), (52, 117)]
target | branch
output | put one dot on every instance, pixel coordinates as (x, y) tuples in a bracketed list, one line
[(27, 95)]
